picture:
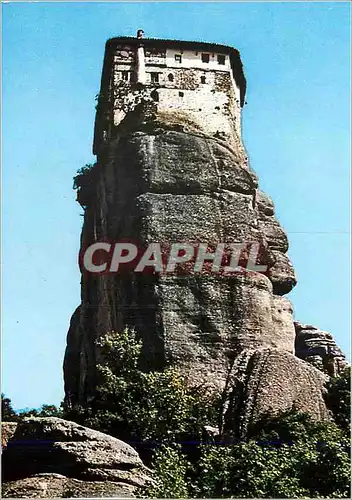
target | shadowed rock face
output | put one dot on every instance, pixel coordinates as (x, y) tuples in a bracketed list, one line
[(164, 179)]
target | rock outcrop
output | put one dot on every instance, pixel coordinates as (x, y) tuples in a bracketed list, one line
[(270, 380), (52, 457), (164, 177), (319, 349), (48, 485)]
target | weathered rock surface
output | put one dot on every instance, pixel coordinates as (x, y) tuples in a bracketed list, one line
[(319, 348), (47, 485), (270, 380), (7, 431), (52, 455), (163, 176), (173, 186)]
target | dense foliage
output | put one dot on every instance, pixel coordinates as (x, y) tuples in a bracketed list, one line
[(138, 406), (8, 414), (284, 456), (298, 458), (338, 399)]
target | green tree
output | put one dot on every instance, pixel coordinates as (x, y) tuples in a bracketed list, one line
[(82, 174), (170, 468), (289, 455), (286, 455), (338, 399), (50, 411), (8, 414), (131, 404), (249, 470), (291, 426)]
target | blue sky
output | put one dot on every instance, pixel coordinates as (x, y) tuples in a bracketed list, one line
[(295, 127)]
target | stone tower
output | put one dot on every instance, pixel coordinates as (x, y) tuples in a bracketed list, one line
[(171, 167)]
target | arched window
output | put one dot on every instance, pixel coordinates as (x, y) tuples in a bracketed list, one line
[(171, 77), (202, 79), (154, 95)]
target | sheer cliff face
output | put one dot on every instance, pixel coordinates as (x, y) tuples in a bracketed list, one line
[(165, 175)]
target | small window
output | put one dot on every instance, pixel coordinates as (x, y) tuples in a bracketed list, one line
[(202, 79), (171, 77), (205, 58), (178, 58), (155, 96), (125, 76), (221, 59), (154, 77), (181, 94)]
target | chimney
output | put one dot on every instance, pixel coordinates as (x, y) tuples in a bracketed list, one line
[(140, 60)]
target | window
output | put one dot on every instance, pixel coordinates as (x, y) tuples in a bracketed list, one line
[(125, 76), (178, 58), (154, 77), (181, 94), (171, 77), (202, 79), (221, 59), (205, 58), (154, 95)]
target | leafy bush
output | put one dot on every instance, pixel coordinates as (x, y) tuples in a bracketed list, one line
[(249, 470), (8, 414), (134, 405), (287, 455), (81, 174), (306, 459), (338, 399), (170, 467), (43, 411), (291, 426)]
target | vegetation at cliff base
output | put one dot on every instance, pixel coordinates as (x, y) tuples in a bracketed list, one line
[(137, 406), (286, 455), (177, 430)]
